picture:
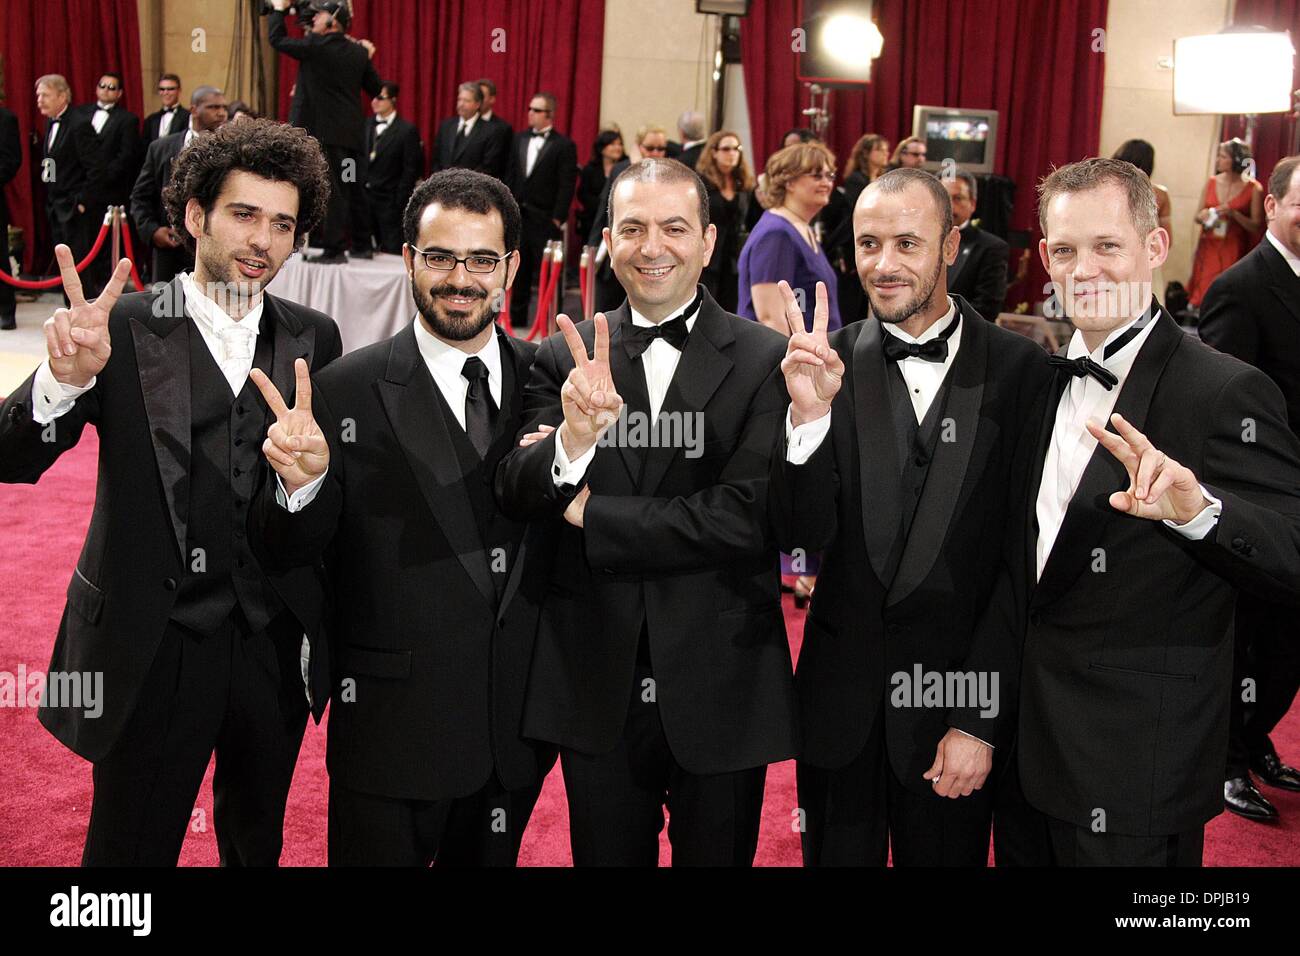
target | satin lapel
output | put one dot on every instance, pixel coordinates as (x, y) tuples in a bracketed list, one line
[(162, 354), (629, 379), (1045, 427), (939, 499), (1089, 509), (293, 340), (512, 403), (546, 145), (699, 372), (409, 397), (878, 465)]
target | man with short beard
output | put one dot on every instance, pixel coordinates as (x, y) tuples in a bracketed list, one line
[(385, 469), (896, 464), (201, 647)]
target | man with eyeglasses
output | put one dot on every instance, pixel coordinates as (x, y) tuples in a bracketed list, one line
[(909, 154), (385, 471), (172, 117), (118, 131), (395, 164), (542, 173)]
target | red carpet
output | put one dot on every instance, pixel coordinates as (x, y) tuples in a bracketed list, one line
[(45, 795)]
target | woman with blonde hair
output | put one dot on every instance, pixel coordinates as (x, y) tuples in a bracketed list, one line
[(732, 209)]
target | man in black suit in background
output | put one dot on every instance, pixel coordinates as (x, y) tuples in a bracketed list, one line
[(694, 134), (504, 133), (899, 446), (71, 164), (437, 590), (121, 152), (662, 668), (1252, 311), (465, 141), (187, 645), (395, 163), (11, 160), (172, 118), (542, 173), (980, 273), (1164, 479), (327, 103), (170, 254)]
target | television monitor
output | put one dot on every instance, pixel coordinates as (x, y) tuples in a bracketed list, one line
[(967, 137)]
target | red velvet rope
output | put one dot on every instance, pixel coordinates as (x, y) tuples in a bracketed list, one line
[(58, 280)]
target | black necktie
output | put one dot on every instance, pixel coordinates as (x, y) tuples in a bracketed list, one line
[(480, 410), (673, 331), (463, 133), (935, 350)]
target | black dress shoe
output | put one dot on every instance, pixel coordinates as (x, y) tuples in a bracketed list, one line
[(8, 322), (1275, 773), (328, 259), (1241, 797)]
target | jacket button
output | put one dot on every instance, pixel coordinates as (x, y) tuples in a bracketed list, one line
[(169, 584), (1238, 543), (893, 628), (238, 442), (502, 624)]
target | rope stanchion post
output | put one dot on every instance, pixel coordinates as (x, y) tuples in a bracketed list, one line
[(584, 262), (555, 300)]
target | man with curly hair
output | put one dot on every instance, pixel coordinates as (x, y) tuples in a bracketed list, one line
[(175, 643)]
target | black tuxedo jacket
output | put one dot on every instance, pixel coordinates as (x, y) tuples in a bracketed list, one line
[(125, 582), (676, 546), (1252, 311), (504, 135), (548, 191), (398, 162), (334, 70), (980, 273), (1127, 636), (121, 152), (480, 151), (439, 662), (180, 122), (11, 160), (147, 210), (865, 625), (75, 165)]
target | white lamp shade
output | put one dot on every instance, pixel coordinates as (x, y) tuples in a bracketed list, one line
[(1233, 73)]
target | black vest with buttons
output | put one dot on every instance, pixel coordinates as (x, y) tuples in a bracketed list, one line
[(226, 434)]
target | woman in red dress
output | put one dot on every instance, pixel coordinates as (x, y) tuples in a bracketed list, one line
[(1231, 218)]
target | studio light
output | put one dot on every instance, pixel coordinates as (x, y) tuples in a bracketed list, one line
[(851, 39), (1241, 72)]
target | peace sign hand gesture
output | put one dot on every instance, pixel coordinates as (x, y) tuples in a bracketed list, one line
[(1159, 488), (813, 370), (295, 446), (590, 402), (77, 337)]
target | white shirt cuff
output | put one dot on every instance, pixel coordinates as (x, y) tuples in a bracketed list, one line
[(802, 440), (1203, 523), (972, 737), (51, 398), (565, 472), (302, 497)]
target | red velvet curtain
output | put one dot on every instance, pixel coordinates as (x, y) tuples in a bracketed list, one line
[(429, 47), (79, 39), (1274, 132), (1032, 60)]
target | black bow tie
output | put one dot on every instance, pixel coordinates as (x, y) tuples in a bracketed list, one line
[(1084, 366), (673, 331), (534, 134), (935, 350)]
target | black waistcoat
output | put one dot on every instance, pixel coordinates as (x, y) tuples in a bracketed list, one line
[(226, 433)]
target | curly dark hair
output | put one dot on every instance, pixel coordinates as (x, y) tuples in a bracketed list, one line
[(468, 190), (262, 147)]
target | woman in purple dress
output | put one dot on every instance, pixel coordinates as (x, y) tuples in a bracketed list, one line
[(798, 182)]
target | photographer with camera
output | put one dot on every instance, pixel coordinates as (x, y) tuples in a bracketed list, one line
[(327, 104)]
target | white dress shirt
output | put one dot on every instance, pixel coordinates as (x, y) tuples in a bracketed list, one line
[(100, 116), (445, 364), (535, 143), (659, 363), (165, 121), (923, 382), (1072, 445), (466, 126), (1291, 258), (56, 126)]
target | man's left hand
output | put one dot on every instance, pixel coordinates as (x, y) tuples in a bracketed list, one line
[(573, 513), (961, 765)]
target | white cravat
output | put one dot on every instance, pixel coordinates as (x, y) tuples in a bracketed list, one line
[(923, 382), (1072, 445), (659, 364), (231, 342)]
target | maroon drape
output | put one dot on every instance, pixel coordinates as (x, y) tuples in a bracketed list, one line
[(1274, 132), (429, 47), (1032, 60), (79, 39)]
